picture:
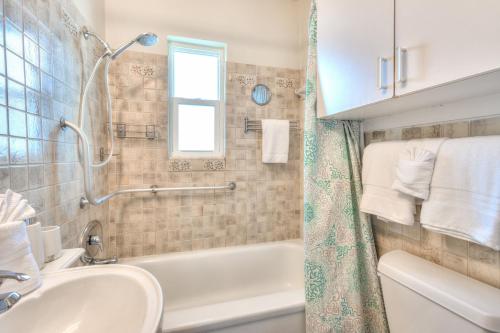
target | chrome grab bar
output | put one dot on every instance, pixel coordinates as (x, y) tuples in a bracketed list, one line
[(153, 189), (88, 184)]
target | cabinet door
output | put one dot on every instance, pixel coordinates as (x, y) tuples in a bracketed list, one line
[(445, 40), (355, 53)]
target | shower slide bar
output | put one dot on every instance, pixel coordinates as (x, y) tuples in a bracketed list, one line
[(88, 176)]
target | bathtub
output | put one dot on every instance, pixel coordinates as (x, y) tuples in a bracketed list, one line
[(242, 289)]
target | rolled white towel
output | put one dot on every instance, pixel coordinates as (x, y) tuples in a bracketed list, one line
[(415, 167), (16, 256), (414, 172)]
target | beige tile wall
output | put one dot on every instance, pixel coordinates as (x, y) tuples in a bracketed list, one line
[(474, 260), (267, 204), (40, 72)]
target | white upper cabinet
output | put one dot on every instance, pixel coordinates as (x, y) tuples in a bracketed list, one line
[(441, 41), (355, 53), (377, 58)]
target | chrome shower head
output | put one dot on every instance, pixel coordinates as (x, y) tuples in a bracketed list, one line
[(145, 39)]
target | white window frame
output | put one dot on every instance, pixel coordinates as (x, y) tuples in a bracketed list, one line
[(197, 47)]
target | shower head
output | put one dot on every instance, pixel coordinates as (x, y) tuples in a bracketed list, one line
[(145, 39)]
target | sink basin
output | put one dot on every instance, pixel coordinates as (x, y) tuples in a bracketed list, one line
[(107, 299)]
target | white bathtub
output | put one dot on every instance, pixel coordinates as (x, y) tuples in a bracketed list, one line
[(244, 289)]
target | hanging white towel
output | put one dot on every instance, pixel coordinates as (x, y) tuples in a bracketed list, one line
[(275, 140), (416, 166), (379, 172), (464, 200), (16, 256)]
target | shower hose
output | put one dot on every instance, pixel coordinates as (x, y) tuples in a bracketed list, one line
[(106, 57)]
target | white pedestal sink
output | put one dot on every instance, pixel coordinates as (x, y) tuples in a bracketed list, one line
[(96, 299)]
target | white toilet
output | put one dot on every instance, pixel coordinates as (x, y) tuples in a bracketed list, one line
[(423, 297)]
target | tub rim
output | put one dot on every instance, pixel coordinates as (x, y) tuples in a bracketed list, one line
[(294, 243)]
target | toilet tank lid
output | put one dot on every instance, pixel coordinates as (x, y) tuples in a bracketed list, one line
[(469, 298)]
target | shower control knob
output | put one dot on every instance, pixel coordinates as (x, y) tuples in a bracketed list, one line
[(95, 240)]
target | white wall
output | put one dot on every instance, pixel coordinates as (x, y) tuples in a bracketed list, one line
[(261, 32), (304, 11), (94, 14)]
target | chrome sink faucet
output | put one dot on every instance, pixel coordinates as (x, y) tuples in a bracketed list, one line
[(8, 300)]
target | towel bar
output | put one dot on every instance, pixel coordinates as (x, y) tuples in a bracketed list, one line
[(256, 125)]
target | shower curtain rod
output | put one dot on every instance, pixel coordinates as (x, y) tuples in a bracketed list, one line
[(87, 176)]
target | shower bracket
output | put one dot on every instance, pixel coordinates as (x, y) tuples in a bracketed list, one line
[(83, 202), (62, 123)]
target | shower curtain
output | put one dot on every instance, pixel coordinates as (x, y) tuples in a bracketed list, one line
[(342, 289)]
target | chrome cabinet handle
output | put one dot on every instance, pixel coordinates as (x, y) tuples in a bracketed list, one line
[(401, 65), (381, 80)]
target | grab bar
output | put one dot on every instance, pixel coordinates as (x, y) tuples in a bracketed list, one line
[(87, 176), (153, 189)]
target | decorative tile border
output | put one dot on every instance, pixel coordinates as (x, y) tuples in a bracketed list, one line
[(215, 165), (196, 165), (142, 70), (282, 82), (250, 80), (179, 166), (244, 80), (70, 24)]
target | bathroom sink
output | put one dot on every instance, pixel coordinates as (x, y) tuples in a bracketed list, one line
[(107, 299)]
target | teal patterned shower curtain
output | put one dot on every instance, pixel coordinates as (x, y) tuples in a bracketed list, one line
[(342, 289)]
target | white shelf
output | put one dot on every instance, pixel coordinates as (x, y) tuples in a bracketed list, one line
[(68, 259)]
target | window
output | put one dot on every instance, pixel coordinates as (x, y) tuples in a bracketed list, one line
[(196, 75)]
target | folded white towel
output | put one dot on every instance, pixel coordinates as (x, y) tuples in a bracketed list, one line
[(14, 208), (415, 167), (379, 169), (465, 191), (275, 140), (21, 212), (16, 256), (8, 202)]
